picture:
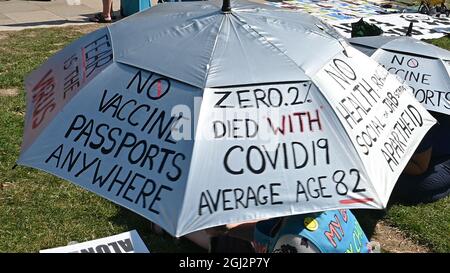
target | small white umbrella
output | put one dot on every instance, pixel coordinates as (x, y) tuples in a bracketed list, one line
[(423, 66)]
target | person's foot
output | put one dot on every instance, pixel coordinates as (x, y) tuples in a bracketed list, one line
[(113, 17), (100, 18)]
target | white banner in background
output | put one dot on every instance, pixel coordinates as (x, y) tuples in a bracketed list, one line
[(424, 26)]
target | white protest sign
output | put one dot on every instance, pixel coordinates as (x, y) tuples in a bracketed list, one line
[(427, 77), (127, 242), (424, 26)]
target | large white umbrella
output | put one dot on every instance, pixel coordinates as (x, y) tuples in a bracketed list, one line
[(196, 114)]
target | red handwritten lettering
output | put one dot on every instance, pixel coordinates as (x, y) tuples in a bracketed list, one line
[(344, 215), (300, 118), (43, 98), (333, 227)]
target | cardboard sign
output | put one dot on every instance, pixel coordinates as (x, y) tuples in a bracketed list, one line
[(127, 242)]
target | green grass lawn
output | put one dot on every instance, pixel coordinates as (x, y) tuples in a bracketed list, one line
[(39, 211), (428, 224)]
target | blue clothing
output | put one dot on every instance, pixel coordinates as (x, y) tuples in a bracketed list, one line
[(441, 137), (431, 186), (434, 184), (335, 231), (437, 138)]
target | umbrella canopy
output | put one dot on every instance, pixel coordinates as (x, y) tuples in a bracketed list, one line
[(195, 117), (424, 67)]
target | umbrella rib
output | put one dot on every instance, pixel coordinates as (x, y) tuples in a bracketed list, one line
[(349, 138), (159, 73), (410, 53), (362, 45), (439, 53), (442, 64), (208, 65), (194, 143), (239, 38)]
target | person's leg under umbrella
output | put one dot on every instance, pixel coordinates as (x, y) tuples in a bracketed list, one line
[(105, 15), (431, 186), (437, 184)]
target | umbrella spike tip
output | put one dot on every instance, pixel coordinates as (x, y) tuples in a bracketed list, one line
[(226, 6), (410, 28)]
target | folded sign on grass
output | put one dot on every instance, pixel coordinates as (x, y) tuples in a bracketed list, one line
[(127, 242)]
